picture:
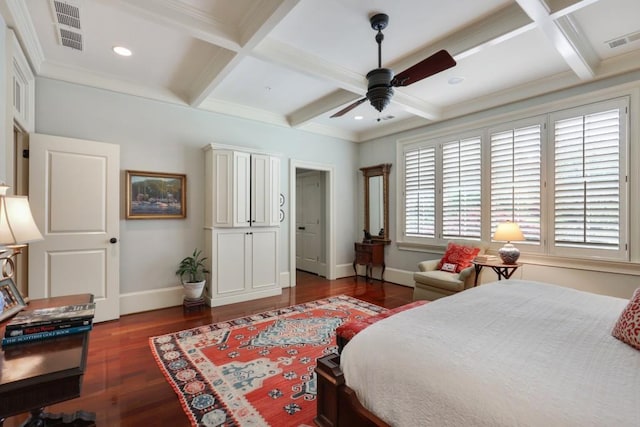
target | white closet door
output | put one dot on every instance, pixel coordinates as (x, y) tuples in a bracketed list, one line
[(242, 189), (260, 190)]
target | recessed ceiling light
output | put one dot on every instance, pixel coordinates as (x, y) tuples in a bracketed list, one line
[(456, 80), (122, 51), (358, 118)]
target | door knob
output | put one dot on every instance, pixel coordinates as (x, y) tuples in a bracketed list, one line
[(113, 240)]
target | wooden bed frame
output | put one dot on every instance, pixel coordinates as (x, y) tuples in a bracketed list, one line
[(338, 405)]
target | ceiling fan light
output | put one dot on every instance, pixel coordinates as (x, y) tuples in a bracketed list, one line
[(380, 97), (379, 91)]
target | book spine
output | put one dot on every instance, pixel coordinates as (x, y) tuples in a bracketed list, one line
[(28, 330), (44, 335), (13, 325)]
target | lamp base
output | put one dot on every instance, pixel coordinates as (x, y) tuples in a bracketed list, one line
[(509, 254)]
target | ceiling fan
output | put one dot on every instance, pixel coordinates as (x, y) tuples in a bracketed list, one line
[(381, 81)]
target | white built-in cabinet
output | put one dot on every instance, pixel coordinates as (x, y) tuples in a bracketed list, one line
[(241, 224)]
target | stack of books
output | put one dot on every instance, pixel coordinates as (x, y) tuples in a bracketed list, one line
[(44, 323), (485, 258)]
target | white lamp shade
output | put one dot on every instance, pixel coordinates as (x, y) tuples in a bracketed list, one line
[(16, 222), (508, 231)]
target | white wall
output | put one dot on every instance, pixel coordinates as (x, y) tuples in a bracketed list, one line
[(5, 103), (613, 280), (156, 136)]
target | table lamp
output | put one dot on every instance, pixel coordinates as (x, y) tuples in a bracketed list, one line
[(17, 228), (510, 232)]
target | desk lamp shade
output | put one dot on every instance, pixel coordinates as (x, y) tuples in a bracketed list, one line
[(510, 232), (17, 226)]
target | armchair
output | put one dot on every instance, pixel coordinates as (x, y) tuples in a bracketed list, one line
[(431, 283)]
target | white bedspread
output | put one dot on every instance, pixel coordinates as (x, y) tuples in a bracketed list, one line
[(511, 353)]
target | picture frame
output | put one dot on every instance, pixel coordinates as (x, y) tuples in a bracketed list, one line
[(12, 300), (156, 195)]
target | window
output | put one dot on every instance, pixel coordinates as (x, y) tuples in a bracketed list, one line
[(420, 192), (443, 189), (589, 180), (516, 178), (561, 176), (461, 190)]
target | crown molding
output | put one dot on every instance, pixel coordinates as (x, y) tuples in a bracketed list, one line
[(26, 33)]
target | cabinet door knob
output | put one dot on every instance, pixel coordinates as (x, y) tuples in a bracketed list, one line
[(113, 240), (302, 228)]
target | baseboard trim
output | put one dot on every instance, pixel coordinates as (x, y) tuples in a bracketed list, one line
[(393, 275), (285, 279), (231, 299), (154, 299)]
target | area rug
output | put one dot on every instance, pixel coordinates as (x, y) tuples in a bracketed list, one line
[(256, 370)]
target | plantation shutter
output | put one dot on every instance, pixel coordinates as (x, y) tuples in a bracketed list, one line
[(461, 189), (420, 192), (587, 180), (516, 179)]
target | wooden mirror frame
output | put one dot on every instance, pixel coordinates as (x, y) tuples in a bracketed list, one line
[(368, 172)]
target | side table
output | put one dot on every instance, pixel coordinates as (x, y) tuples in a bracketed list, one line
[(502, 270), (40, 373)]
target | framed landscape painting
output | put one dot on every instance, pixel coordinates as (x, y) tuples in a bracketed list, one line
[(154, 195)]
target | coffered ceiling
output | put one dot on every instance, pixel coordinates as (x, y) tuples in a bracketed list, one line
[(294, 63)]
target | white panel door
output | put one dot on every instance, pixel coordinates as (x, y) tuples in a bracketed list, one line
[(264, 258), (241, 189), (219, 188), (231, 265), (308, 223), (74, 194), (260, 190)]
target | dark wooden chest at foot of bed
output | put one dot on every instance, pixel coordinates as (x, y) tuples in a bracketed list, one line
[(338, 405)]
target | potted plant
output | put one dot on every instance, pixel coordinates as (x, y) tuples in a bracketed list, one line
[(192, 272)]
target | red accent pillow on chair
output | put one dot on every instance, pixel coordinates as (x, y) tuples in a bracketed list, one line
[(459, 255)]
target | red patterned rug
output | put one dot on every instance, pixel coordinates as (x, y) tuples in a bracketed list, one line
[(256, 370)]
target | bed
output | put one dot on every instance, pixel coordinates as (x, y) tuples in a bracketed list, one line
[(503, 354)]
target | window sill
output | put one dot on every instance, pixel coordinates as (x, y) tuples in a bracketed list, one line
[(618, 267), (588, 264)]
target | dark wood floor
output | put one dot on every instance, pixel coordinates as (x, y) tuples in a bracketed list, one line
[(124, 386)]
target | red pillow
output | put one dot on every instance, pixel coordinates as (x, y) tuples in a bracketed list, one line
[(627, 328), (459, 255)]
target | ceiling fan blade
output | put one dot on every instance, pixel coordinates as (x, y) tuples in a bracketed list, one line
[(434, 64), (348, 108)]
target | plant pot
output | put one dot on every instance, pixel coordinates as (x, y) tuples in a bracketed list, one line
[(193, 290)]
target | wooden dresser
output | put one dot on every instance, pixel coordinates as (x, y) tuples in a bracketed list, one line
[(370, 255)]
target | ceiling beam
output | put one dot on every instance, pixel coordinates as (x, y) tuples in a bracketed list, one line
[(276, 52), (236, 42), (500, 26), (497, 28), (317, 108), (565, 36), (191, 21), (560, 8), (265, 17)]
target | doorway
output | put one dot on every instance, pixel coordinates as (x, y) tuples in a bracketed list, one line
[(310, 221), (311, 239)]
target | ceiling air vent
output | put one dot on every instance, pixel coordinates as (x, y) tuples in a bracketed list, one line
[(623, 40), (66, 17)]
